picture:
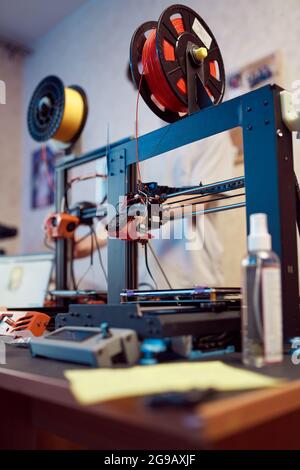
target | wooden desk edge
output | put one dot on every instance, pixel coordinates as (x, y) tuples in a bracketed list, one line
[(219, 419), (57, 391), (228, 416)]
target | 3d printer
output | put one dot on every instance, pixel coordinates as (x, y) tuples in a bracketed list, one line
[(178, 69)]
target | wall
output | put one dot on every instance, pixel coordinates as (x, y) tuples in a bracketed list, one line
[(10, 145), (91, 48)]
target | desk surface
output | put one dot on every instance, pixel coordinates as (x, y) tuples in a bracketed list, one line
[(129, 423)]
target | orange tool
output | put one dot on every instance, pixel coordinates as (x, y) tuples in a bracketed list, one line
[(23, 323)]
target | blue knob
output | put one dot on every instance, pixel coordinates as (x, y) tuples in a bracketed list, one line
[(104, 329)]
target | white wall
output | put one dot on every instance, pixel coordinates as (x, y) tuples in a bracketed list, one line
[(10, 145), (91, 48)]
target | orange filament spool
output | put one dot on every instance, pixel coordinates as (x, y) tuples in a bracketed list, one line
[(176, 64), (154, 75)]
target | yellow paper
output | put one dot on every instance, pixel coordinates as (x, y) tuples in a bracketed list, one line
[(96, 385)]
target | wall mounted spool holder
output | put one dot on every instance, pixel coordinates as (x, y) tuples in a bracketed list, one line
[(57, 112)]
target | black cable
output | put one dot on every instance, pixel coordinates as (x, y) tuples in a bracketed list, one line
[(211, 342), (72, 266), (147, 267), (103, 200), (91, 260), (65, 198), (99, 253), (77, 180), (92, 246), (84, 237), (160, 266)]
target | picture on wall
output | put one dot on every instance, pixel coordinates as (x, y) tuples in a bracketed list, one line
[(256, 74), (42, 181)]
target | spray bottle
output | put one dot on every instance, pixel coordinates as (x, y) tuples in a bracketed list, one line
[(262, 302)]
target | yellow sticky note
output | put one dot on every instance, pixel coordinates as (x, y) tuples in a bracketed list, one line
[(97, 385)]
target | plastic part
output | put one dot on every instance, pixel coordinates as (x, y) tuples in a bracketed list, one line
[(61, 225), (151, 348), (259, 237), (290, 115), (23, 324), (200, 53), (86, 345)]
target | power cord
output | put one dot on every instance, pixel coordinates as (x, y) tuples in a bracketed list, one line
[(159, 265), (72, 272), (91, 259), (99, 253), (147, 266)]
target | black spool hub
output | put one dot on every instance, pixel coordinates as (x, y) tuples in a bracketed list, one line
[(197, 75), (46, 109)]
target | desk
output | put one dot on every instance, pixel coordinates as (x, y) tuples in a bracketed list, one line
[(38, 411)]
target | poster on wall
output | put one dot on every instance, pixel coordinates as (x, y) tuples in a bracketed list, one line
[(268, 69), (42, 180), (256, 74)]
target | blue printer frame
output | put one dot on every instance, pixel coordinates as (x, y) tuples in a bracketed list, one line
[(269, 185)]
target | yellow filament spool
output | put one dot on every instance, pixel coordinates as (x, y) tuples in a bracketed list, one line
[(57, 112), (73, 116)]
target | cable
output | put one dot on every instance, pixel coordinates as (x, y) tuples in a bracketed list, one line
[(92, 247), (82, 277), (147, 267), (159, 265), (91, 261), (137, 131), (210, 342), (102, 200), (156, 81), (99, 253), (84, 237), (89, 176), (77, 179), (72, 266), (94, 239)]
